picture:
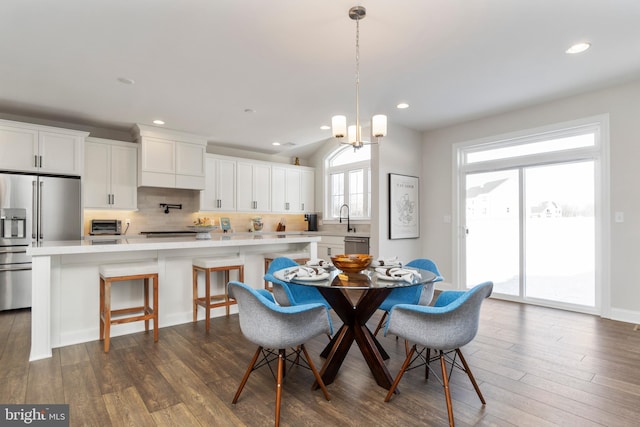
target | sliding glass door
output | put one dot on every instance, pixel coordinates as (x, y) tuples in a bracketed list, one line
[(528, 218)]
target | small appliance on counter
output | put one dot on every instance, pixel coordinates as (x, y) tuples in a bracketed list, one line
[(312, 220), (106, 227)]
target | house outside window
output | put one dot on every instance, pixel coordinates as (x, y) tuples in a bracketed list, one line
[(348, 180)]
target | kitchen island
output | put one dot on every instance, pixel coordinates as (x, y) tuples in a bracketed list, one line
[(65, 281)]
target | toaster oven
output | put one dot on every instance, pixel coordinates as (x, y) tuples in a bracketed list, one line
[(106, 227)]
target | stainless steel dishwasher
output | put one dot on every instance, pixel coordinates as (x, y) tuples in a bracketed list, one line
[(356, 245)]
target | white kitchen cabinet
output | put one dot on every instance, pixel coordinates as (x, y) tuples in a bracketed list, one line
[(253, 184), (41, 149), (220, 185), (292, 189), (190, 165), (170, 159), (307, 190), (109, 180), (330, 246)]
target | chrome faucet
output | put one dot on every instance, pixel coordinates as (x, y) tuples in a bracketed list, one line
[(347, 218)]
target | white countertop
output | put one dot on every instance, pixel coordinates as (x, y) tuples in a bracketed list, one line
[(124, 244)]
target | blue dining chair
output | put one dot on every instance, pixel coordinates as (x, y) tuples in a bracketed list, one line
[(411, 295), (274, 329), (446, 327), (287, 294)]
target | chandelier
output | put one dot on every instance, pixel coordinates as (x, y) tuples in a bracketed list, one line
[(339, 123)]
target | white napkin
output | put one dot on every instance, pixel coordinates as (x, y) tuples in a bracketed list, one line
[(318, 262), (398, 273), (389, 262), (303, 271)]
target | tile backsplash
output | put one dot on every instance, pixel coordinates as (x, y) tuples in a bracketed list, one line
[(151, 217)]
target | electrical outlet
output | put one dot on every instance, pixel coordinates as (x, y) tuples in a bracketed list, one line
[(127, 221)]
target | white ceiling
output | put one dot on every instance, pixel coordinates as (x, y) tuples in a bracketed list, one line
[(198, 64)]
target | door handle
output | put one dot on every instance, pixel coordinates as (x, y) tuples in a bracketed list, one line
[(8, 270), (34, 203), (40, 212)]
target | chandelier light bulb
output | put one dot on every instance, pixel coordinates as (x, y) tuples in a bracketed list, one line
[(339, 126), (379, 126)]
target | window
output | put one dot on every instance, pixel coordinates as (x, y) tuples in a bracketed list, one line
[(348, 180), (531, 206)]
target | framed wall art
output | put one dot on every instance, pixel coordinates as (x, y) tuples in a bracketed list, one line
[(404, 207)]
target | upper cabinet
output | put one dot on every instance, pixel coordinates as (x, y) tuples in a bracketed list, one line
[(253, 183), (307, 190), (110, 175), (170, 159), (40, 149), (236, 184), (292, 189), (220, 189)]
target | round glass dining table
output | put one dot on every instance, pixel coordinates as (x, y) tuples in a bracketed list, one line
[(355, 297)]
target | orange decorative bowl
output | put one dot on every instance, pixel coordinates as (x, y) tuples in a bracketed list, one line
[(352, 263)]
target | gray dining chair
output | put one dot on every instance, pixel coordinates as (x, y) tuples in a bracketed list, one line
[(274, 329), (411, 295), (446, 327)]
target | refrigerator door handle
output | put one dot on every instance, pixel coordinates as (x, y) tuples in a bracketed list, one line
[(9, 270), (34, 204), (40, 213)]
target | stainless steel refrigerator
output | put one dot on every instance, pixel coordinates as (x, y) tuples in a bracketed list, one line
[(33, 209)]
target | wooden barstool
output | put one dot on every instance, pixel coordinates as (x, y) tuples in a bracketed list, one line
[(299, 257), (113, 273), (208, 301)]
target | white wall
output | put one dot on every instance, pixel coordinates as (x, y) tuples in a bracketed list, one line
[(623, 104), (399, 152)]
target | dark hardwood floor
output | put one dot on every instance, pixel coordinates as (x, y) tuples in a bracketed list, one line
[(535, 366)]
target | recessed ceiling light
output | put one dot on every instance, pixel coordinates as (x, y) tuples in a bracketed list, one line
[(402, 106), (249, 110), (275, 143), (158, 122), (578, 47), (126, 80), (325, 127)]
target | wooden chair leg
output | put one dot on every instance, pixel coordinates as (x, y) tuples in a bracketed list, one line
[(226, 294), (445, 384), (101, 309), (156, 315), (246, 374), (207, 299), (468, 371), (426, 368), (195, 294), (315, 373), (281, 359), (146, 303), (380, 324), (406, 363)]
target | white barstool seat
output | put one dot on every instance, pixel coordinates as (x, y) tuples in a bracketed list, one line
[(208, 266), (300, 257), (113, 273)]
